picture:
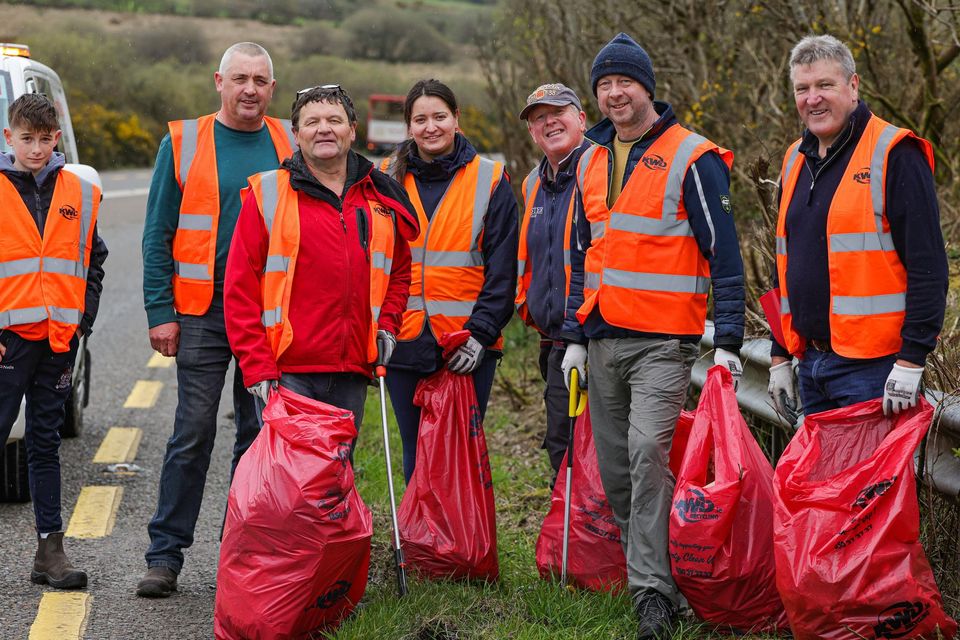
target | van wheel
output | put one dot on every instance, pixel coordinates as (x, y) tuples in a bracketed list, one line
[(14, 482)]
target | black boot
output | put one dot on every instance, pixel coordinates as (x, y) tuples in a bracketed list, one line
[(52, 567)]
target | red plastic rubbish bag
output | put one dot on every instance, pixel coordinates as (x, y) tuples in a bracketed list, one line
[(448, 524), (595, 557), (721, 524), (296, 542), (846, 528)]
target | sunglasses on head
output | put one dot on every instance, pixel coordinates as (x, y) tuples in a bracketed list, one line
[(330, 87)]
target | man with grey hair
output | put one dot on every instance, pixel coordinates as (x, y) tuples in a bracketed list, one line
[(192, 209), (861, 267)]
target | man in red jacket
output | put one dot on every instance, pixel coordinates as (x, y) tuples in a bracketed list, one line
[(319, 270)]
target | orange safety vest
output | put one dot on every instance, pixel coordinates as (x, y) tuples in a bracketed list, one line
[(531, 185), (644, 268), (281, 217), (43, 281), (868, 283), (195, 241), (447, 267)]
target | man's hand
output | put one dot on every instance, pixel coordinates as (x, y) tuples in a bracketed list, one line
[(902, 387), (783, 389), (262, 389), (165, 338), (467, 358), (3, 350), (386, 343), (575, 357), (731, 362)]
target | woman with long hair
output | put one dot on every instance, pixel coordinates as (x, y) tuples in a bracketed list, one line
[(464, 270)]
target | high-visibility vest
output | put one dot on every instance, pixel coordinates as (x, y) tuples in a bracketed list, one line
[(195, 241), (644, 268), (531, 185), (278, 206), (868, 283), (43, 281), (446, 259)]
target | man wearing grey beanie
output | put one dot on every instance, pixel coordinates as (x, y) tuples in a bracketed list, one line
[(660, 236)]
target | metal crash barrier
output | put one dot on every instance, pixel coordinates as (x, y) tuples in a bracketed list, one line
[(937, 457)]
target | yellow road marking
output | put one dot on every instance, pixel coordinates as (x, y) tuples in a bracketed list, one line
[(119, 445), (61, 616), (144, 394), (159, 361), (95, 513)]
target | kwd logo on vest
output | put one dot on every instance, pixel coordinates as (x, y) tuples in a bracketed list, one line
[(654, 162), (862, 176), (68, 212), (696, 507)]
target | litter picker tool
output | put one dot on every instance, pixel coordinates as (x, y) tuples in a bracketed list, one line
[(576, 406), (399, 563)]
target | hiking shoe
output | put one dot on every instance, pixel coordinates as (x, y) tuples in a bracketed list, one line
[(50, 566), (159, 582), (657, 617)]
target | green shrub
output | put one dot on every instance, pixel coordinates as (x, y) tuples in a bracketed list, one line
[(320, 39), (392, 35), (183, 42)]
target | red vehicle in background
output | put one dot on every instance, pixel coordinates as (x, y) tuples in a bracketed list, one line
[(385, 126)]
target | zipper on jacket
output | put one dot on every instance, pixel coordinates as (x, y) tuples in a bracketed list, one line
[(363, 232), (346, 292), (815, 175)]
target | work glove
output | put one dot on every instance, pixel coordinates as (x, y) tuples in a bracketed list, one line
[(467, 358), (731, 362), (386, 343), (262, 389), (901, 389), (574, 358), (783, 391)]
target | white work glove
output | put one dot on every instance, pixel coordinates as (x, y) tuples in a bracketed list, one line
[(386, 343), (901, 389), (783, 391), (467, 358), (731, 362), (575, 358), (262, 389)]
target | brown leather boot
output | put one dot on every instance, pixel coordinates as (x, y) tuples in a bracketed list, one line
[(52, 567), (159, 582)]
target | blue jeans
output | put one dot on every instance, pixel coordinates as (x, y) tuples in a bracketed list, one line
[(202, 360), (829, 381), (402, 385), (31, 368)]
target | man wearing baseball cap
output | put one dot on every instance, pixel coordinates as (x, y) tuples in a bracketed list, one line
[(548, 249), (660, 235)]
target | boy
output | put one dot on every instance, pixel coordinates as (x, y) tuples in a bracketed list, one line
[(51, 277)]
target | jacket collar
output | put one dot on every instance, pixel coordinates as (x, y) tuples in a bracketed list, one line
[(57, 162), (301, 179), (567, 169), (810, 144), (444, 167)]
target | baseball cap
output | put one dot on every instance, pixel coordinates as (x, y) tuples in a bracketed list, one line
[(555, 94)]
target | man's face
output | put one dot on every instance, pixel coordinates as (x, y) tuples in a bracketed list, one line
[(324, 133), (627, 103), (245, 91), (556, 130), (31, 149), (825, 98)]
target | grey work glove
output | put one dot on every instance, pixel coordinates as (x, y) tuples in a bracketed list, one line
[(575, 357), (262, 389), (467, 358), (901, 389), (386, 343), (731, 362), (783, 391)]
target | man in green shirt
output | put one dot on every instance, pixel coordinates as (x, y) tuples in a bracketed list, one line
[(192, 209)]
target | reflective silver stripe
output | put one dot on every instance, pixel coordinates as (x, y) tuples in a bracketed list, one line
[(784, 305), (268, 188), (68, 316), (877, 177), (416, 254), (566, 257), (678, 168), (271, 317), (533, 181), (584, 163), (869, 305), (596, 230), (277, 264), (86, 219), (791, 160), (376, 313), (195, 222), (188, 149), (192, 270), (870, 241), (705, 207), (591, 281), (22, 316), (521, 267), (415, 303), (64, 267), (12, 268), (655, 281), (449, 308), (481, 199), (454, 259), (288, 129), (381, 261), (648, 226), (781, 246)]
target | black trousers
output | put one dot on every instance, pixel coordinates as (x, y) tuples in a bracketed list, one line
[(556, 398)]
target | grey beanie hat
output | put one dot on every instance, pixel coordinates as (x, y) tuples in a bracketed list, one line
[(623, 56)]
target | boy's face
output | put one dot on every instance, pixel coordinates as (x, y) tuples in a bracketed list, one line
[(31, 149)]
